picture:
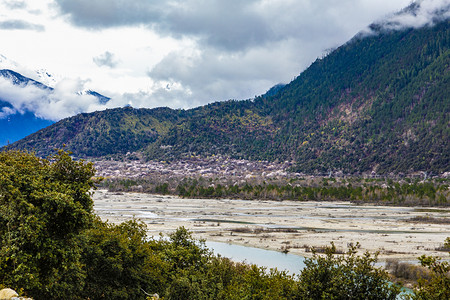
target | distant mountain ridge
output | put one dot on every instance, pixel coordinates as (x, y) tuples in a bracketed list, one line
[(380, 103), (17, 125), (19, 79)]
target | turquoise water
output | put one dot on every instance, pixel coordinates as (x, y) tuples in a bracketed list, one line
[(261, 257)]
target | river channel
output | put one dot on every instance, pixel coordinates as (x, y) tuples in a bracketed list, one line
[(290, 226)]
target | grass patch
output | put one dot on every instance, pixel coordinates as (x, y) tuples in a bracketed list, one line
[(262, 230), (428, 219), (406, 271), (221, 221), (432, 210), (321, 249), (443, 248)]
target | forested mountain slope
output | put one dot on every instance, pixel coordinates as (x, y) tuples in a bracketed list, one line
[(102, 133), (378, 103), (381, 103)]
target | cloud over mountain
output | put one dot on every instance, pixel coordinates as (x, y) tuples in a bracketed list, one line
[(418, 14), (51, 104), (238, 25)]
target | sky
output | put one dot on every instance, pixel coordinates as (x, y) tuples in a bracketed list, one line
[(177, 53)]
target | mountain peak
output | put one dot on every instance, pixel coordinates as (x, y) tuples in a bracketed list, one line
[(41, 75), (23, 101), (19, 79)]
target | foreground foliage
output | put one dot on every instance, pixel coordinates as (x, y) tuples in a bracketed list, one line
[(44, 207), (54, 247), (345, 277), (438, 286)]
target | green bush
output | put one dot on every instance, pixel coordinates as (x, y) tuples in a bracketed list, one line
[(44, 206), (344, 277), (438, 286)]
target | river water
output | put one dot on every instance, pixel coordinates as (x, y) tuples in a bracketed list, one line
[(291, 263)]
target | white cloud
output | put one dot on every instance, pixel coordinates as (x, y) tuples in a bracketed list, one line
[(22, 98), (7, 111), (236, 75), (418, 14), (20, 25), (107, 59), (15, 4), (63, 101)]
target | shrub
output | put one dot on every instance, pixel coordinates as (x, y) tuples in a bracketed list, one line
[(344, 277), (438, 286), (44, 206)]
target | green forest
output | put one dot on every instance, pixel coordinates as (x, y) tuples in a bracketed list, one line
[(381, 191), (54, 247)]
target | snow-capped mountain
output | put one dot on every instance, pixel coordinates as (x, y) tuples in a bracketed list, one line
[(41, 77), (101, 99), (19, 79), (24, 93)]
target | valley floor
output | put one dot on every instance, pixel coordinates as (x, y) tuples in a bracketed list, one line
[(291, 226)]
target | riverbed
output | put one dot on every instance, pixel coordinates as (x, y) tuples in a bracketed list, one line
[(285, 226)]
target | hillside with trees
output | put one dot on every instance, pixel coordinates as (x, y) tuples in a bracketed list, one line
[(103, 133), (380, 103)]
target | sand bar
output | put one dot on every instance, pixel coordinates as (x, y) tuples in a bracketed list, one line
[(278, 225)]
